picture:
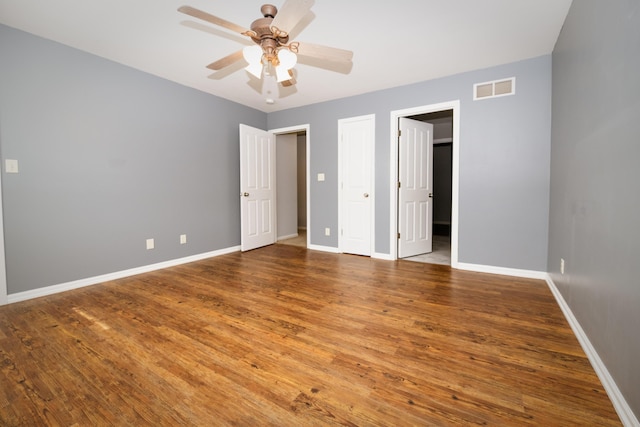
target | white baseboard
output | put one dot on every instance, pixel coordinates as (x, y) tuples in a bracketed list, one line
[(324, 249), (528, 274), (624, 411), (386, 257), (54, 289), (290, 236)]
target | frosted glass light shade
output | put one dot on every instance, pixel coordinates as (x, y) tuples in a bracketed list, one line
[(253, 55), (287, 60)]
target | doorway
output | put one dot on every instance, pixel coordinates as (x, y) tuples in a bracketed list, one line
[(292, 185), (446, 211), (439, 225)]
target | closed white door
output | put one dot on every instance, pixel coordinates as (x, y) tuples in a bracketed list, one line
[(415, 207), (356, 139), (257, 188)]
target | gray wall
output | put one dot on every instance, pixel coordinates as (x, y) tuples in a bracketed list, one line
[(109, 157), (504, 161), (595, 197)]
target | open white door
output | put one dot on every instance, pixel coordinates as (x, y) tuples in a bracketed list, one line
[(415, 202), (356, 184), (257, 188)]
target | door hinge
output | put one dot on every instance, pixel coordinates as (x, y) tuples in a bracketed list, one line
[(399, 184), (398, 235), (399, 133)]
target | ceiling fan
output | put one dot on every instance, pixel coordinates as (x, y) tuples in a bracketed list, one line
[(272, 50)]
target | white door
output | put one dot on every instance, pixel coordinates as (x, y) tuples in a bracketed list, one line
[(415, 202), (257, 188), (356, 137)]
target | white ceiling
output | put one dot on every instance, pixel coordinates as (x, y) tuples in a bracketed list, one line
[(402, 42)]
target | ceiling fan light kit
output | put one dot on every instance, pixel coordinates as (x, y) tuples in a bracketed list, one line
[(272, 50), (282, 60)]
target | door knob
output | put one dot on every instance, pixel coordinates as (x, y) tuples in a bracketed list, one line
[(366, 195), (245, 194)]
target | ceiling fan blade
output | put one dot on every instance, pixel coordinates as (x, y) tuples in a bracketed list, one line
[(226, 61), (291, 12), (324, 53), (196, 13), (289, 82)]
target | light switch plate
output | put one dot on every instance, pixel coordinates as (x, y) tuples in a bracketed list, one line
[(320, 177), (11, 166)]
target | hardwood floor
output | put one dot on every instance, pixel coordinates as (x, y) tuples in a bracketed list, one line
[(288, 337)]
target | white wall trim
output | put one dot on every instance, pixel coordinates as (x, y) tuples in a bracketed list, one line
[(379, 255), (321, 248), (54, 289), (288, 236), (455, 173), (3, 266), (621, 406), (515, 272)]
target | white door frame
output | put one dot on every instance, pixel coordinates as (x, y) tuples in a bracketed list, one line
[(455, 172), (372, 192), (3, 268), (306, 129)]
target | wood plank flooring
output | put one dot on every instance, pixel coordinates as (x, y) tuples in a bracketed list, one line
[(284, 336)]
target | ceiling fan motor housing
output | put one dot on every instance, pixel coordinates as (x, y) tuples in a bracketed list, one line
[(267, 39)]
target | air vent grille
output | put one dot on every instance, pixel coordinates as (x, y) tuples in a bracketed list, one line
[(494, 89)]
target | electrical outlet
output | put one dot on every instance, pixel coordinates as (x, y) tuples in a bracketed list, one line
[(11, 166), (183, 239), (327, 231), (150, 244), (561, 265)]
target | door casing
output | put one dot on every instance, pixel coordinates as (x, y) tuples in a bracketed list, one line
[(393, 167), (306, 128), (3, 268)]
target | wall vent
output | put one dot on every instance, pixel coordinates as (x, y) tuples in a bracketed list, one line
[(494, 89)]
